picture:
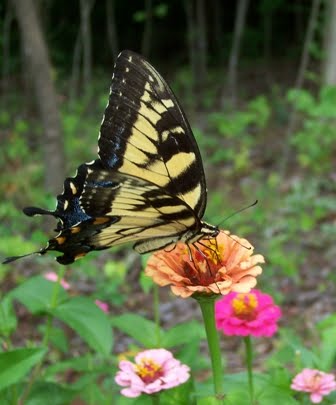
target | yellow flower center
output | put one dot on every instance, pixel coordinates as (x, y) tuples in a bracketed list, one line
[(214, 252), (315, 380), (244, 306), (127, 355), (148, 370)]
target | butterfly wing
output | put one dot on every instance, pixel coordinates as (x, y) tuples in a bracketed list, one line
[(145, 134), (148, 185)]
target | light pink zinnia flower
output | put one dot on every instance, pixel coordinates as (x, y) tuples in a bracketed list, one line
[(154, 370), (52, 276), (102, 305), (250, 314), (316, 382)]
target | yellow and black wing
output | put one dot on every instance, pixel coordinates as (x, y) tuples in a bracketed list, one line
[(147, 186), (145, 134)]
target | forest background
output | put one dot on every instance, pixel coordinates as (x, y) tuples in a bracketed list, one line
[(257, 82)]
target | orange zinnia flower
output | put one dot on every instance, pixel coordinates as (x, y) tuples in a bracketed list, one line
[(214, 267)]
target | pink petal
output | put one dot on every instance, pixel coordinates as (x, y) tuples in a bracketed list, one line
[(316, 398), (102, 305)]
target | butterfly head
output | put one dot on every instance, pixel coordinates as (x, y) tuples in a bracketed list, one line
[(208, 231)]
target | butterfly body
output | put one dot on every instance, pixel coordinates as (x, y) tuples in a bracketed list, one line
[(148, 184)]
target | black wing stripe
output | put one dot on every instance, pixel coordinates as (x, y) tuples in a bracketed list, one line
[(142, 110)]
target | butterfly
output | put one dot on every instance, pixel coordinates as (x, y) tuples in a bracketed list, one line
[(148, 184)]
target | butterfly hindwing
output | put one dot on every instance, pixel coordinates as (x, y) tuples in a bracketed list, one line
[(111, 208)]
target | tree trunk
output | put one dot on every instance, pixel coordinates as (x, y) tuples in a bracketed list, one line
[(292, 121), (242, 7), (85, 12), (190, 19), (75, 69), (329, 65), (201, 46), (197, 44), (267, 28), (217, 29), (111, 28), (6, 50), (39, 65), (314, 13)]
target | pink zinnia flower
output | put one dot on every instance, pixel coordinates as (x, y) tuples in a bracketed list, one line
[(316, 382), (102, 305), (247, 314), (52, 276), (154, 370)]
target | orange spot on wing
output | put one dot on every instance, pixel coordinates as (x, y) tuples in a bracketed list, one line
[(79, 255), (60, 240), (101, 220)]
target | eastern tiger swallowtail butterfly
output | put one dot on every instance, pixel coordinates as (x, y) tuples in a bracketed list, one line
[(148, 184)]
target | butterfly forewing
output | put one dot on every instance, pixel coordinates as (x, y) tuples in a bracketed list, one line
[(151, 136)]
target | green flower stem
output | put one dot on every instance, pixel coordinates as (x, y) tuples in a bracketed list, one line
[(46, 337), (53, 303), (249, 362), (156, 309), (155, 399), (91, 389), (207, 305)]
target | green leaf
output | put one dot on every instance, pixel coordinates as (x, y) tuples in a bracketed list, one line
[(12, 245), (139, 328), (6, 396), (178, 395), (326, 323), (183, 333), (89, 321), (301, 99), (142, 400), (272, 395), (36, 294), (190, 354), (161, 10), (15, 364), (266, 391), (57, 337), (80, 364), (139, 16), (238, 397), (7, 317), (146, 283), (50, 393), (327, 353), (94, 391)]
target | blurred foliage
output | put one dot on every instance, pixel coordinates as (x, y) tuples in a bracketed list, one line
[(315, 141), (238, 130)]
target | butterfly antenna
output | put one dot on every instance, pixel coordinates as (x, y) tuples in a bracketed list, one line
[(13, 258), (239, 243), (233, 214), (237, 212)]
